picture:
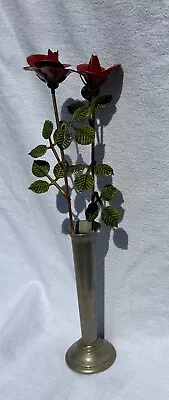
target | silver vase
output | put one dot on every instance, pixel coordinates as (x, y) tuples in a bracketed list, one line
[(91, 353)]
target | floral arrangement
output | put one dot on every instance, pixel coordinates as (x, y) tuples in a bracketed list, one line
[(50, 70)]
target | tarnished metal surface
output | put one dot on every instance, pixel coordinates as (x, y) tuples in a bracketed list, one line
[(90, 354)]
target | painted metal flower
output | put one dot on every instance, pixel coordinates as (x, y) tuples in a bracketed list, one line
[(93, 73), (48, 68)]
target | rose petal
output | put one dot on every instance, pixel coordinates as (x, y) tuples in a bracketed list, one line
[(53, 55), (82, 67), (94, 65)]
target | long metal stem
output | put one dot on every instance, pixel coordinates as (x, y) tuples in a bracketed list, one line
[(92, 123), (63, 164)]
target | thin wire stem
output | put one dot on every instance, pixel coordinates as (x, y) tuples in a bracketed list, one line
[(52, 147), (63, 162), (92, 123), (53, 182)]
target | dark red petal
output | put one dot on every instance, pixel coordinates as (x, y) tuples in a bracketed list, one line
[(53, 55), (93, 73), (49, 63), (94, 65), (82, 67), (34, 58), (52, 74), (93, 79)]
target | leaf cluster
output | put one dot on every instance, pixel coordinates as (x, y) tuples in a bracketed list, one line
[(84, 174), (109, 214)]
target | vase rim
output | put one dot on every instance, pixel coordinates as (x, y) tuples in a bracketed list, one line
[(84, 228)]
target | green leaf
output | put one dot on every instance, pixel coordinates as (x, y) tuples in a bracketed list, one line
[(85, 135), (92, 211), (81, 114), (55, 137), (103, 169), (110, 216), (74, 169), (39, 187), (58, 171), (62, 138), (38, 151), (40, 168), (84, 182), (108, 192), (47, 129), (74, 106), (103, 101)]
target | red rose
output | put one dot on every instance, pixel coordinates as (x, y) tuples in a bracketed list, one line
[(48, 68), (93, 73)]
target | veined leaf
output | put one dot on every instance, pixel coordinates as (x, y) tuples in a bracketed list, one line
[(74, 169), (47, 129), (81, 114), (39, 187), (58, 171), (84, 182), (85, 135), (108, 192), (40, 168), (103, 169), (92, 211), (38, 151), (110, 216), (62, 138)]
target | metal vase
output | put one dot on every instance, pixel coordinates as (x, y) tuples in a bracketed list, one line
[(90, 354)]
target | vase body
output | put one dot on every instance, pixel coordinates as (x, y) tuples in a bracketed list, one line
[(90, 354)]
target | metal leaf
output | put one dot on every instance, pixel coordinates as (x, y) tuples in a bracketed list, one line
[(81, 114), (58, 171), (92, 211), (40, 168), (103, 169), (74, 169), (62, 138), (47, 129), (108, 192), (38, 151), (84, 182), (39, 187), (85, 135), (110, 216)]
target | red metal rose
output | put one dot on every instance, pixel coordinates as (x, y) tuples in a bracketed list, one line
[(93, 73), (48, 68)]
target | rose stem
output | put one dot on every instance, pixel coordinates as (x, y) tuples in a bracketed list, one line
[(53, 182), (92, 124), (63, 162), (54, 151)]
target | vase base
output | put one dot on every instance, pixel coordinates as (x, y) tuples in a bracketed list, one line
[(90, 359)]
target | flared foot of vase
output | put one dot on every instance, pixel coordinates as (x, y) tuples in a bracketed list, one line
[(90, 359)]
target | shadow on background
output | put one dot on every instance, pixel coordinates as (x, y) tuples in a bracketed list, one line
[(112, 86)]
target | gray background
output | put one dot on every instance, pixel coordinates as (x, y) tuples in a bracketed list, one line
[(39, 316)]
